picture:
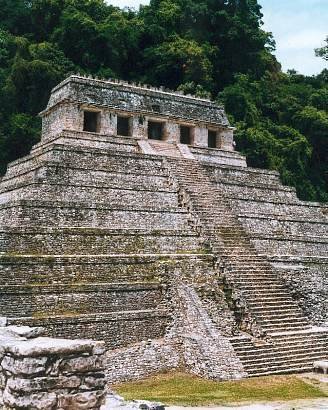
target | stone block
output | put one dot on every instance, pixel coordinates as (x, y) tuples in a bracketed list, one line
[(43, 346), (94, 381), (38, 401), (26, 331), (81, 401), (82, 364), (29, 366), (42, 384)]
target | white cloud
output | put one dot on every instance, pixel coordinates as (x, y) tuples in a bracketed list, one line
[(302, 40), (298, 27), (127, 3)]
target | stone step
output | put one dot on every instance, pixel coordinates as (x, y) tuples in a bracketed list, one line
[(118, 197), (80, 214), (270, 304), (148, 324), (273, 303), (253, 297), (248, 351), (73, 299), (164, 148), (264, 272), (299, 357), (283, 336), (285, 324), (265, 295), (305, 342), (292, 328), (279, 320), (284, 362), (263, 289), (290, 370), (246, 258), (75, 240), (265, 311), (297, 313), (68, 269), (261, 285)]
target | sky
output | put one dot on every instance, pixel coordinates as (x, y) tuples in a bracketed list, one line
[(298, 26)]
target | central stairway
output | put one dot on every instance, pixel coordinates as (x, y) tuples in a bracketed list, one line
[(278, 338), (165, 149)]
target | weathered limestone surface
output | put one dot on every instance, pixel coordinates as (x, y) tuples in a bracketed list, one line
[(176, 255), (50, 374), (293, 234), (124, 97), (143, 359)]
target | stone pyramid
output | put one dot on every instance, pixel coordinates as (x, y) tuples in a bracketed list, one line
[(134, 221)]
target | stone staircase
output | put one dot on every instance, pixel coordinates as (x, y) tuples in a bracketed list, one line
[(263, 305), (285, 352), (165, 149)]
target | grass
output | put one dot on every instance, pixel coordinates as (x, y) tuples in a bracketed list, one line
[(187, 390)]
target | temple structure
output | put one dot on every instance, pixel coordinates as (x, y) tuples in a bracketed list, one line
[(135, 221)]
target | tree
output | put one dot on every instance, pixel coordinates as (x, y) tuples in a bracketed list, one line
[(178, 61), (214, 48), (323, 51)]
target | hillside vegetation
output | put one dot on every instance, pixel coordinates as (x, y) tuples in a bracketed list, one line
[(204, 47)]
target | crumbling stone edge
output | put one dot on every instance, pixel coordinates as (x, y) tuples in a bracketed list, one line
[(45, 373)]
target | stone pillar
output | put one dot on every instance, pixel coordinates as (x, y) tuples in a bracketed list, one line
[(108, 123), (200, 137), (139, 127), (48, 374), (225, 139), (172, 132)]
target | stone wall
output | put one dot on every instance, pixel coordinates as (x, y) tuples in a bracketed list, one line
[(307, 280), (142, 360), (48, 374)]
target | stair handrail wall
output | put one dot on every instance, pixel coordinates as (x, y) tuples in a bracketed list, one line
[(236, 300)]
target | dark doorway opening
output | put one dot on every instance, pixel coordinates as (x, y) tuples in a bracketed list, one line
[(212, 139), (155, 130), (123, 126), (91, 121), (185, 135)]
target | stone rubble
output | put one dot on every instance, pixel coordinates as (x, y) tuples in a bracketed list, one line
[(42, 373), (116, 402)]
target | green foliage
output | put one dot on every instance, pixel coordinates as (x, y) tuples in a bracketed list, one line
[(323, 51), (21, 133), (213, 48), (178, 61), (280, 127)]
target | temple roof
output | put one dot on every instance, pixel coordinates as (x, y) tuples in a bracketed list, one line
[(136, 98)]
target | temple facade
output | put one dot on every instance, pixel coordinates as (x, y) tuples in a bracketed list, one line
[(152, 116)]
